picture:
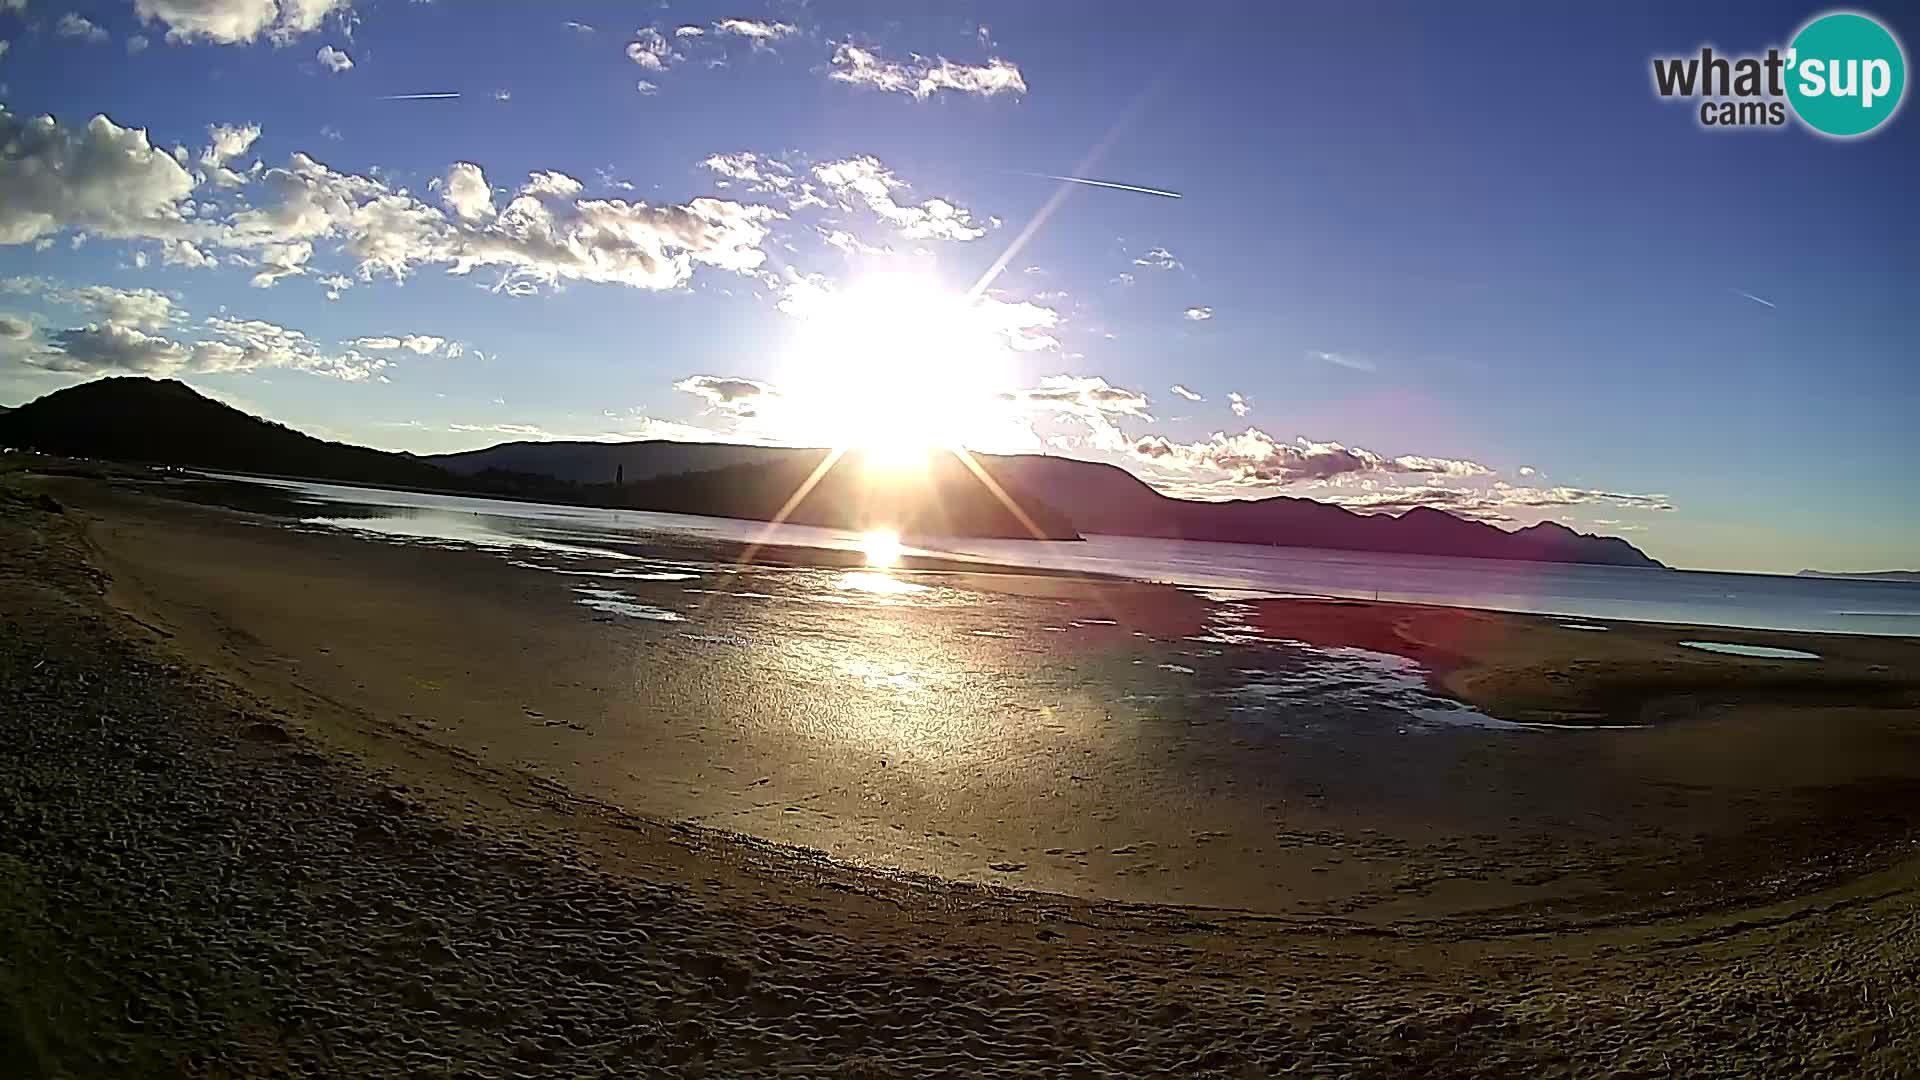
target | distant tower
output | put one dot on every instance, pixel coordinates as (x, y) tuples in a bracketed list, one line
[(619, 475)]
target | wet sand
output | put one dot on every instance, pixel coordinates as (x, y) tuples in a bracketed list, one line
[(1092, 738), (1730, 887)]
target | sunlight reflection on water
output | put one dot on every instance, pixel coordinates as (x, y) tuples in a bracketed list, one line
[(870, 581), (852, 624)]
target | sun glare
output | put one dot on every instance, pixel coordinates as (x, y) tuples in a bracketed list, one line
[(894, 367), (881, 547)]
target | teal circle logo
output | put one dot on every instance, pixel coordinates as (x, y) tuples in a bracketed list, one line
[(1846, 74)]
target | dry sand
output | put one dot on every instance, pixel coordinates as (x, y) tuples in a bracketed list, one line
[(221, 857)]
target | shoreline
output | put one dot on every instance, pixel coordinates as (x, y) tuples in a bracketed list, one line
[(350, 857), (902, 763)]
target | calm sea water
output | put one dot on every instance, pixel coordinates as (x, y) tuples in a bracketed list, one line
[(1756, 601)]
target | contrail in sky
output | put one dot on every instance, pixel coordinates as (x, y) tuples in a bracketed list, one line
[(1110, 184), (418, 97), (1756, 299)]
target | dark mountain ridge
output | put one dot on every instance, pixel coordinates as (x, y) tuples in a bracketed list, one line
[(1907, 576), (166, 422), (1103, 498)]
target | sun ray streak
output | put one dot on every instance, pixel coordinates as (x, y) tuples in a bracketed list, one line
[(766, 533), (1086, 163), (966, 458), (806, 486)]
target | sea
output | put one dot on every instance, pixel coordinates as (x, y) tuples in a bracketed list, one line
[(1227, 571)]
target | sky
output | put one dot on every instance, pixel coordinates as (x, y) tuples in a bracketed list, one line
[(1460, 257)]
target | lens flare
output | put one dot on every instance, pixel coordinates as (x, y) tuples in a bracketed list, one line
[(881, 547)]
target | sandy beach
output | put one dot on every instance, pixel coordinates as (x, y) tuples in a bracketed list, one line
[(363, 807)]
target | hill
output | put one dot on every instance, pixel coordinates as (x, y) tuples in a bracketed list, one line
[(603, 463), (164, 422), (1908, 576), (947, 501), (1107, 499), (1102, 498)]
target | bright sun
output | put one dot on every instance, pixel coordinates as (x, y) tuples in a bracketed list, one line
[(881, 547), (893, 367)]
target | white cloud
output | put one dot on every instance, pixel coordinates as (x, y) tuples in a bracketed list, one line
[(549, 183), (230, 345), (1198, 314), (1255, 457), (761, 34), (227, 142), (652, 50), (1240, 405), (546, 236), (1492, 504), (1511, 495), (1160, 259), (633, 427), (579, 27), (1082, 394), (1088, 400), (1024, 324), (920, 77), (1460, 502), (646, 88), (101, 348), (232, 22), (72, 25), (246, 344), (744, 398), (1182, 391), (864, 180), (423, 344), (1527, 470), (503, 94), (137, 43), (4, 46), (305, 16), (1437, 466), (15, 329), (849, 243), (758, 174), (690, 31), (1123, 279), (143, 309), (281, 260), (183, 253), (333, 59), (465, 191), (385, 231), (104, 178)]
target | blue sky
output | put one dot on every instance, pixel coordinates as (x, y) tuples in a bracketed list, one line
[(1461, 258)]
